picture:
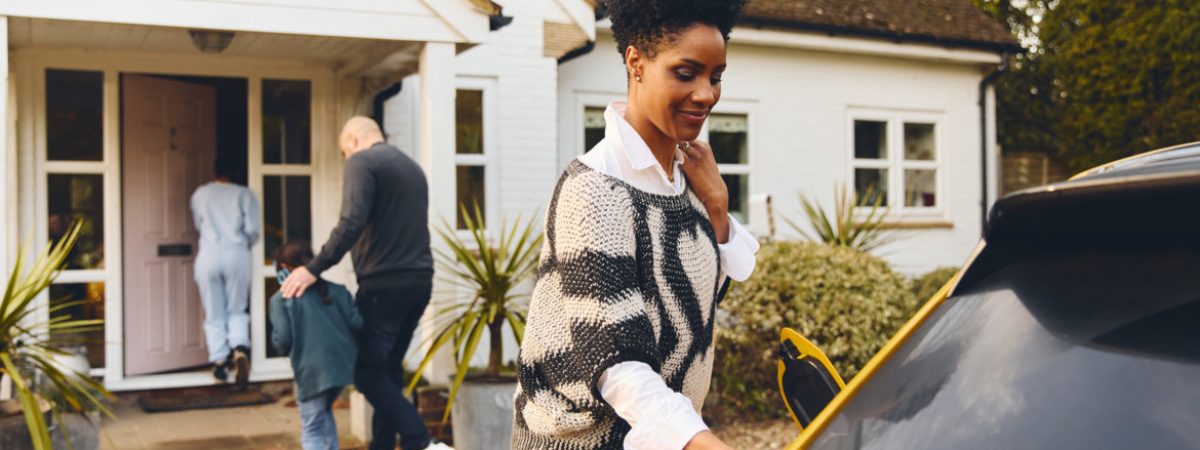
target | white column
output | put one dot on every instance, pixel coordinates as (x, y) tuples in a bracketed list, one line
[(993, 153), (8, 153), (435, 153)]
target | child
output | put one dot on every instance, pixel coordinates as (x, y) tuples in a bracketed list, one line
[(317, 333)]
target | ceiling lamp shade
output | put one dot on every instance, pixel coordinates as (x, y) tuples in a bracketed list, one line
[(209, 41)]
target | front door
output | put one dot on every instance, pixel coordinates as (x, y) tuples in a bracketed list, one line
[(169, 135)]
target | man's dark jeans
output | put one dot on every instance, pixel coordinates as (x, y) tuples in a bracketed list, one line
[(390, 316)]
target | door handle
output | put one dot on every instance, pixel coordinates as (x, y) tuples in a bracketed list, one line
[(174, 250)]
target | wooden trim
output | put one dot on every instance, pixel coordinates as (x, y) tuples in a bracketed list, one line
[(928, 225), (442, 23), (464, 18), (583, 14)]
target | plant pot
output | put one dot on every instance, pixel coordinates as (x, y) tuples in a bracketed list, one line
[(483, 413), (82, 431)]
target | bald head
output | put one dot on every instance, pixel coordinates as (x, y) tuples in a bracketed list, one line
[(358, 134)]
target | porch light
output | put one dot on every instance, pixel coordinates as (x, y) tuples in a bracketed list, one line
[(209, 41)]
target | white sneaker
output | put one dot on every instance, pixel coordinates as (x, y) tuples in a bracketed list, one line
[(435, 445)]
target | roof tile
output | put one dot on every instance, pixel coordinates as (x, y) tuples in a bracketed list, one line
[(948, 22)]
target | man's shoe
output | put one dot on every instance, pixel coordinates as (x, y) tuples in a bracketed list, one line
[(220, 373), (241, 366), (438, 445)]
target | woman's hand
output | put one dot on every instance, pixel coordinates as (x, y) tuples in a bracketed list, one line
[(705, 440), (705, 180)]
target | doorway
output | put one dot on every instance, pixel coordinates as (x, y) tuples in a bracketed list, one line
[(173, 129)]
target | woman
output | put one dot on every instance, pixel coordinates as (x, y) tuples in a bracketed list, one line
[(226, 215), (617, 352)]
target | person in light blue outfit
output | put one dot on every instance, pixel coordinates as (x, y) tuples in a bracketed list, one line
[(317, 331), (226, 215)]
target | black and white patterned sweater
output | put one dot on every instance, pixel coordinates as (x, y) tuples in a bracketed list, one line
[(625, 275)]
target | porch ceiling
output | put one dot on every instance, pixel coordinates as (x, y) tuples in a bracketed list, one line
[(349, 56)]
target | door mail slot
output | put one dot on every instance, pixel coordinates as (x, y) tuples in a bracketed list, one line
[(175, 250)]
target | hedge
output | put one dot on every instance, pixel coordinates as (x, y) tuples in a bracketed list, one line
[(847, 302)]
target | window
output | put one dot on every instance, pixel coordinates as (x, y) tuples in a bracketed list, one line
[(728, 134), (81, 301), (286, 173), (74, 174), (286, 164), (287, 211), (896, 160), (1037, 350), (287, 121), (74, 105), (593, 127), (472, 141), (78, 198)]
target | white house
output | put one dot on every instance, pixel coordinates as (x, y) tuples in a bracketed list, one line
[(882, 93), (112, 113), (826, 93)]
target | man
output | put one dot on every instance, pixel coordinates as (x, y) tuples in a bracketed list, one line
[(384, 225), (226, 214)]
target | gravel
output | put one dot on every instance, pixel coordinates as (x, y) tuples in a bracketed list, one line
[(765, 435)]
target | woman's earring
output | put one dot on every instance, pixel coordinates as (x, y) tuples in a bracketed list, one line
[(638, 77)]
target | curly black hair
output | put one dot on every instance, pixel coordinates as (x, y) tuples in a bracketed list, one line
[(647, 25)]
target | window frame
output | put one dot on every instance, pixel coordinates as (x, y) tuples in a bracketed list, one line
[(257, 173), (105, 168), (896, 165), (488, 160), (738, 108)]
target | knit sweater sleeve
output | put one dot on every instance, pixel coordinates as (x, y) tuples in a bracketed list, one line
[(587, 312)]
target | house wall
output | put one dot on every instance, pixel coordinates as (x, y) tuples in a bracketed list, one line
[(521, 167), (799, 104)]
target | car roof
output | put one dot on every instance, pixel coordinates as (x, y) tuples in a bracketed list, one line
[(1170, 159), (1145, 200)]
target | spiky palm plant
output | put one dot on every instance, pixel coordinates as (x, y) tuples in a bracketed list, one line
[(491, 273), (849, 226), (27, 356)]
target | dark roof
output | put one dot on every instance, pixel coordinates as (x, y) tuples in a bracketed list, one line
[(955, 23)]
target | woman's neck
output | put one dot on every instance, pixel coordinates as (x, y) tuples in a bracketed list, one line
[(661, 145)]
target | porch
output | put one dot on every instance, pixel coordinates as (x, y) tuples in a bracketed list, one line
[(278, 91), (274, 426)]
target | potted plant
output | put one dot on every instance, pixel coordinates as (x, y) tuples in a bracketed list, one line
[(492, 270), (857, 222), (30, 361)]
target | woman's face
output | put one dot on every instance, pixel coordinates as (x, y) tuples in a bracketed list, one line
[(681, 83)]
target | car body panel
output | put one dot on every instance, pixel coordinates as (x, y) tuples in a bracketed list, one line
[(1124, 203)]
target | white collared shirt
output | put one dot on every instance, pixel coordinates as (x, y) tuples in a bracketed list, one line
[(659, 417)]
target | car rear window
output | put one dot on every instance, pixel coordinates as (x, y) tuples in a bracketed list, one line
[(1096, 348)]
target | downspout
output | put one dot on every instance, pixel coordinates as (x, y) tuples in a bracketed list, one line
[(983, 139), (382, 97)]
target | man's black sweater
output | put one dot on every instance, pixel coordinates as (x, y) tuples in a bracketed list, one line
[(384, 221)]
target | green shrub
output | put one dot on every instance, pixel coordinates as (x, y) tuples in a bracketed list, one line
[(847, 302), (925, 286)]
